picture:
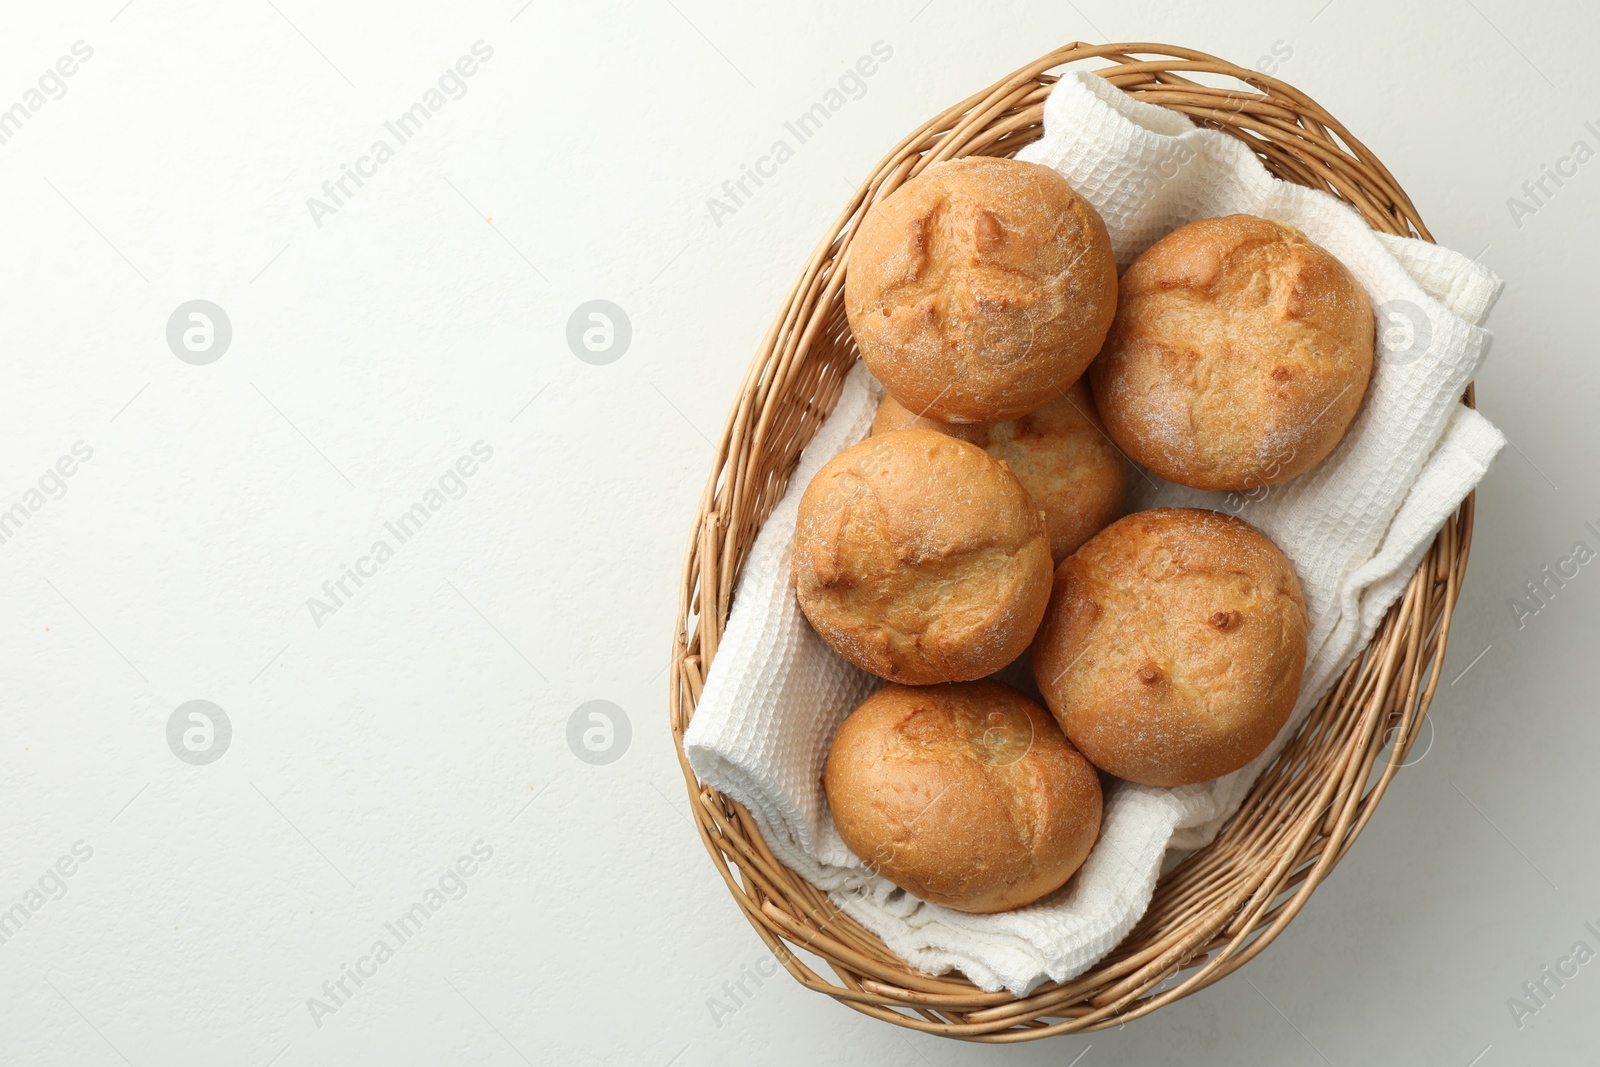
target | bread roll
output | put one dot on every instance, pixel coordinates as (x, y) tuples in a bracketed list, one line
[(1060, 454), (1174, 645), (921, 559), (1239, 357), (980, 289), (964, 795)]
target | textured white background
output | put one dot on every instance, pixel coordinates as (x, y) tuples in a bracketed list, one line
[(430, 712)]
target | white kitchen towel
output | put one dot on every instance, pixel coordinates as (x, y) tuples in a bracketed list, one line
[(1355, 527)]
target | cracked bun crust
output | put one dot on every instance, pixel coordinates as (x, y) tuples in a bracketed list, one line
[(921, 559), (1173, 647), (1239, 356), (965, 795), (1060, 453), (980, 289)]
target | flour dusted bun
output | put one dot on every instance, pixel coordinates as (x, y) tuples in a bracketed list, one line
[(920, 558), (964, 795), (1173, 647), (980, 289), (1060, 453), (1239, 357)]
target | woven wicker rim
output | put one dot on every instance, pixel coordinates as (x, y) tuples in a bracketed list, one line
[(1225, 903)]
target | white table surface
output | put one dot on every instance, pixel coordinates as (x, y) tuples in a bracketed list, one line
[(425, 713)]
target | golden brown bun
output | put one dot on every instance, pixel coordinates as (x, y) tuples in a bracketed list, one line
[(1060, 454), (980, 289), (966, 795), (921, 559), (1173, 647), (1239, 357)]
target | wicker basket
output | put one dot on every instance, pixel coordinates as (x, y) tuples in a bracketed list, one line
[(1224, 903)]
